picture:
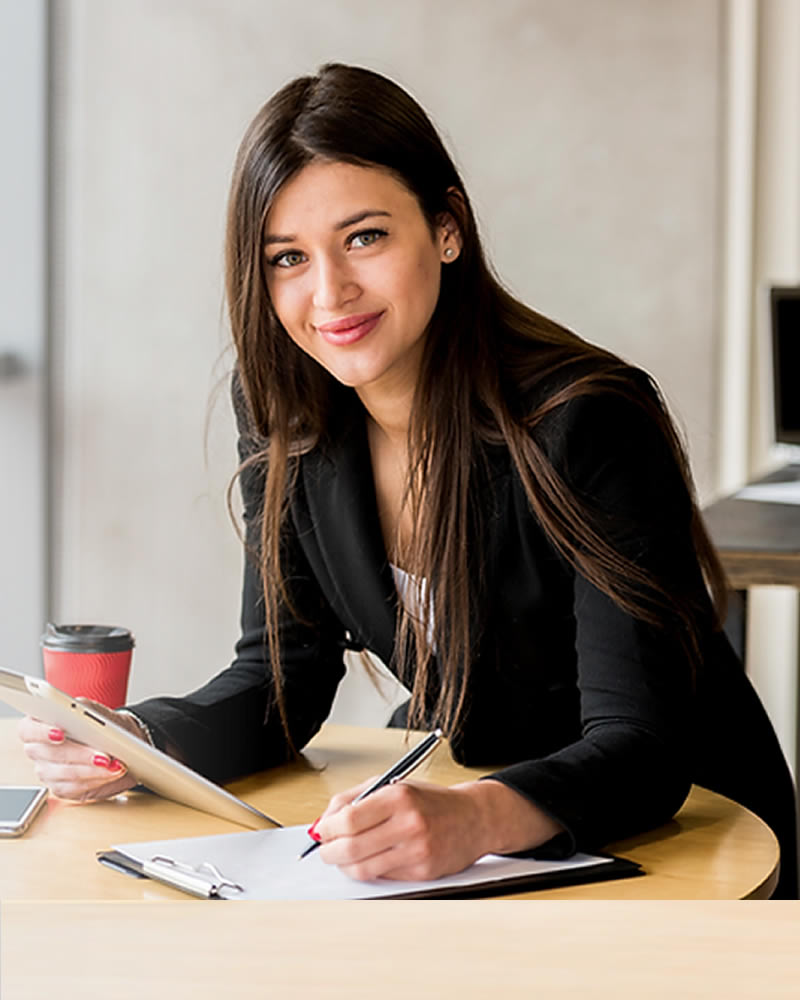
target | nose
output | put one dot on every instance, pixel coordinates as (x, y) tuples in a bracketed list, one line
[(334, 285)]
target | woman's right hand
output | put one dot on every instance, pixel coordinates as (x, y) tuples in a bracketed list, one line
[(72, 770)]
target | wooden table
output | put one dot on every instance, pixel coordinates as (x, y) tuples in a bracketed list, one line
[(713, 849), (758, 542), (759, 545), (443, 950)]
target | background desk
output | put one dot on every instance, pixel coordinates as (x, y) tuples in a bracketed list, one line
[(713, 849), (758, 543)]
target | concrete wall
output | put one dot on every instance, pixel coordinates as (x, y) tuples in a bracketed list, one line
[(588, 134)]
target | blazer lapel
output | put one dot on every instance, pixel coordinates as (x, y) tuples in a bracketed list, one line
[(345, 533)]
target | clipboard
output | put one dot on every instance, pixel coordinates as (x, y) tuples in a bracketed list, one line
[(264, 864), (205, 881)]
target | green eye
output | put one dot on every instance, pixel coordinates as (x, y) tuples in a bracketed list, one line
[(289, 258), (367, 237)]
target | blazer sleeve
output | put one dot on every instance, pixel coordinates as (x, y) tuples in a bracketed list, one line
[(231, 725), (629, 769)]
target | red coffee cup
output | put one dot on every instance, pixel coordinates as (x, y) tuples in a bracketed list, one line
[(93, 661)]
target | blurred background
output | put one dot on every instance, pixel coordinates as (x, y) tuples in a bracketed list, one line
[(635, 166)]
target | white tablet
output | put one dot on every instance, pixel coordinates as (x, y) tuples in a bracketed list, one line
[(155, 770)]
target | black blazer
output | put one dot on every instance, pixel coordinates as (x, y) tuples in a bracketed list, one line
[(590, 713)]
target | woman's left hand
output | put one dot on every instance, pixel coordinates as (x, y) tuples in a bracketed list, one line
[(417, 831)]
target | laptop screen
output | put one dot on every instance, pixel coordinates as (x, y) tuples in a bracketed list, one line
[(785, 310)]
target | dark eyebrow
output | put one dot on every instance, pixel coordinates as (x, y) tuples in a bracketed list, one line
[(359, 217), (344, 224)]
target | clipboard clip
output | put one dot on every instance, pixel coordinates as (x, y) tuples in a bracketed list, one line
[(204, 881)]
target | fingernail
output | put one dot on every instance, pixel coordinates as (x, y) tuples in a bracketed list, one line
[(312, 830), (56, 735), (116, 765), (100, 760)]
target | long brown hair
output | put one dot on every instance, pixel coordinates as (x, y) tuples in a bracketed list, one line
[(484, 353)]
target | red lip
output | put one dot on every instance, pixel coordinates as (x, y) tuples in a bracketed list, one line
[(349, 329)]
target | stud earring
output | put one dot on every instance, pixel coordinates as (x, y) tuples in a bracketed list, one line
[(449, 253)]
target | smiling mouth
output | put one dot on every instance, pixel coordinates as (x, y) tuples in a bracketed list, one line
[(345, 331)]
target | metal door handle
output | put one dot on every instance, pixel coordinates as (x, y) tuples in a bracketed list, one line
[(12, 365)]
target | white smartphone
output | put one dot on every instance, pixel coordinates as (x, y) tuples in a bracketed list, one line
[(19, 805)]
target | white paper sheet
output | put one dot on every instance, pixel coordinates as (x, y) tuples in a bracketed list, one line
[(787, 492), (266, 864)]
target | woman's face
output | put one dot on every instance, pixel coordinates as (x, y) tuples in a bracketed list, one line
[(353, 271)]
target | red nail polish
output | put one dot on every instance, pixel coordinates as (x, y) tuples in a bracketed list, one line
[(116, 765), (56, 735), (312, 830), (100, 760)]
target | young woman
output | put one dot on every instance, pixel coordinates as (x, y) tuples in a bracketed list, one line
[(498, 509)]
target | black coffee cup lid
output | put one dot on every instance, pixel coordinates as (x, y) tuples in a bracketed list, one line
[(87, 638)]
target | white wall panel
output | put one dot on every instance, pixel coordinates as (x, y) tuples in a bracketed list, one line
[(23, 334)]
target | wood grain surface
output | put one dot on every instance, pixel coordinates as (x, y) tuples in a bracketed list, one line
[(713, 849)]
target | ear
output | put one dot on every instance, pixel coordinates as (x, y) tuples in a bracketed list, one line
[(448, 231)]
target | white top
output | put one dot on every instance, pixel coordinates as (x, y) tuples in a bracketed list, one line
[(413, 594)]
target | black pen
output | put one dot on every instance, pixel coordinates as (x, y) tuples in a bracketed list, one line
[(396, 772)]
